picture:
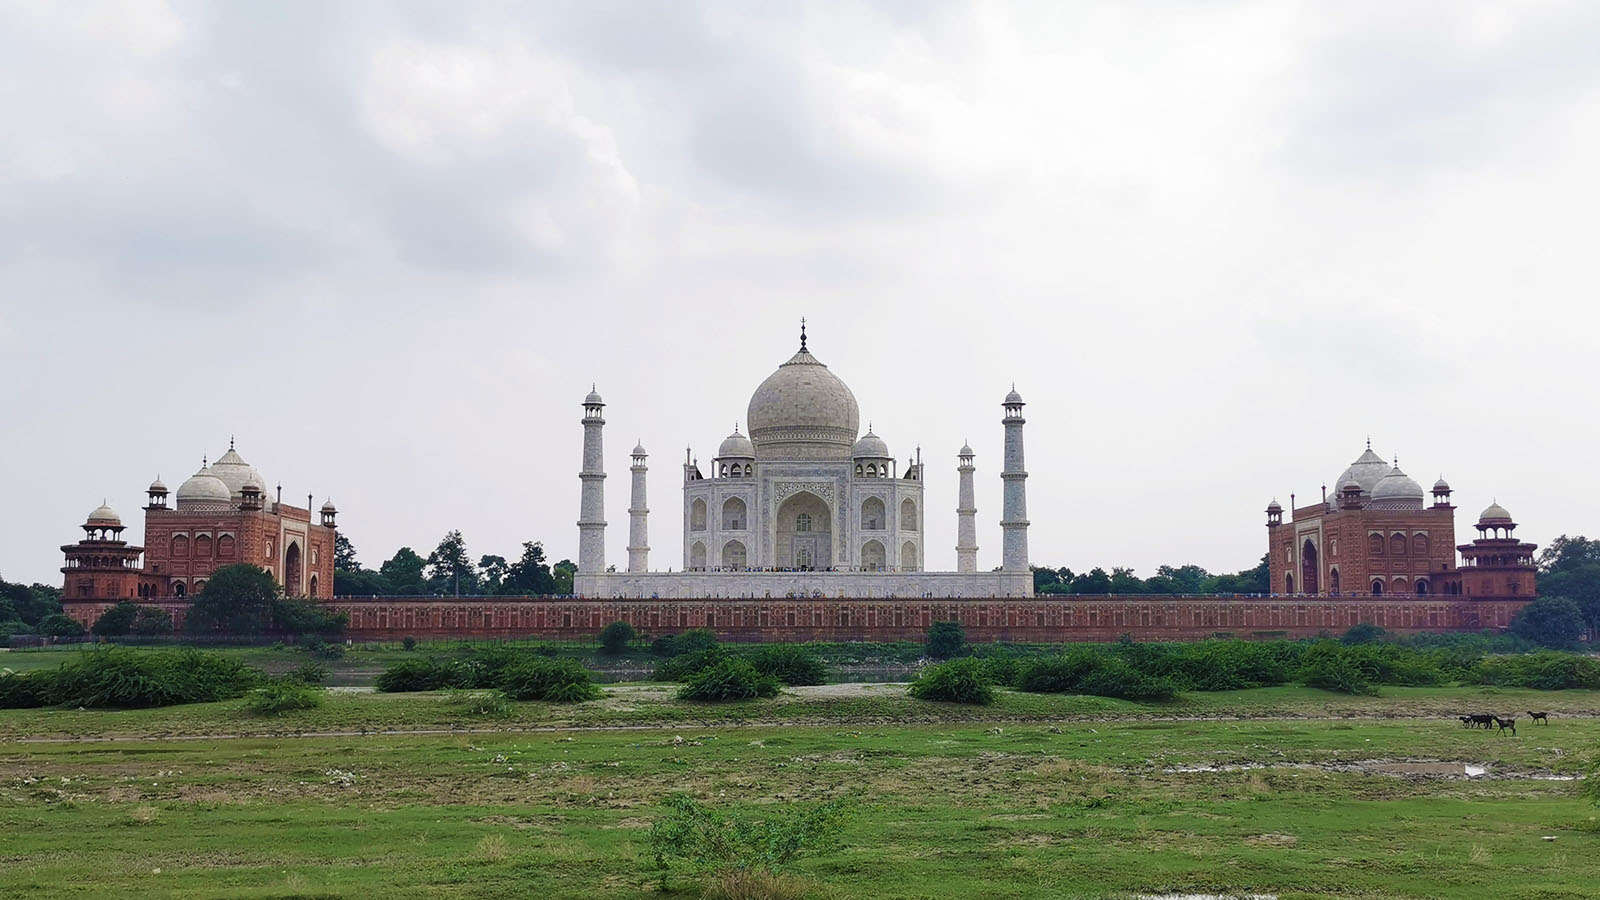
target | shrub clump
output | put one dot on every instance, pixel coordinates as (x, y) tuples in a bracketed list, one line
[(692, 641), (679, 668), (425, 675), (119, 677), (788, 663), (1095, 674), (746, 853), (556, 680), (730, 679), (963, 680), (1546, 671), (946, 640), (279, 697), (614, 638)]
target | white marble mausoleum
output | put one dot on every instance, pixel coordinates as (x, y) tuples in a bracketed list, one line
[(802, 505)]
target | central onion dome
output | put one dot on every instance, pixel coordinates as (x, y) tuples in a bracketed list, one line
[(1397, 490), (803, 411), (235, 472), (1368, 469), (203, 487)]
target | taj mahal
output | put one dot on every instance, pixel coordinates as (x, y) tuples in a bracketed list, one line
[(802, 504)]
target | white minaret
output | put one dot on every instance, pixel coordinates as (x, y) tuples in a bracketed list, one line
[(638, 529), (966, 516), (1014, 518), (592, 518)]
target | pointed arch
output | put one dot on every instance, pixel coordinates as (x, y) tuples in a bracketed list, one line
[(697, 556), (697, 515), (908, 515), (733, 514), (873, 557), (873, 516), (908, 557), (734, 556)]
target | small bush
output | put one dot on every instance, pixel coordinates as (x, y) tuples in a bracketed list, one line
[(730, 679), (946, 640), (408, 643), (410, 675), (693, 838), (22, 691), (1327, 668), (1004, 670), (1362, 633), (324, 649), (788, 663), (556, 680), (279, 697), (958, 681), (306, 673), (692, 641), (614, 638), (678, 668)]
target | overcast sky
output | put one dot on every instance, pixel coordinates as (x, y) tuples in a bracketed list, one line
[(389, 246)]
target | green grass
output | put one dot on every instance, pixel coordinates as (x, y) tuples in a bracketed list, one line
[(1037, 796)]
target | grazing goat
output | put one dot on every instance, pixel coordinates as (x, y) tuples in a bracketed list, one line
[(1539, 717), (1485, 720), (1506, 724), (1466, 721)]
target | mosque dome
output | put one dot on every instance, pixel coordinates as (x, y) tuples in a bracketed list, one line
[(870, 447), (1368, 469), (234, 472), (736, 445), (105, 516), (1397, 490), (1495, 514), (803, 411), (204, 487)]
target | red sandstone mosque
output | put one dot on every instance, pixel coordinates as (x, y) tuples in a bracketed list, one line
[(220, 516), (1375, 537)]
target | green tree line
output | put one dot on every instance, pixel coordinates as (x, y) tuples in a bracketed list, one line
[(1188, 579), (449, 570)]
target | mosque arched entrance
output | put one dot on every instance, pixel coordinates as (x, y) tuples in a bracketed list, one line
[(291, 571), (804, 537), (1309, 568)]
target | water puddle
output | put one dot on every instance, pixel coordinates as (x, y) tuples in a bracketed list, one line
[(1406, 768)]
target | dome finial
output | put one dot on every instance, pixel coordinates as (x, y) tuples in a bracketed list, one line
[(1369, 442), (802, 332), (230, 442)]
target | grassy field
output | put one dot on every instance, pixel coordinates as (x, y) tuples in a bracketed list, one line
[(1279, 791)]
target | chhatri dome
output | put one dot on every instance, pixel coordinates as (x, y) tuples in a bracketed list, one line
[(803, 411)]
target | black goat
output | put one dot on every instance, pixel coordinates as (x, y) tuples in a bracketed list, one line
[(1505, 724), (1540, 717)]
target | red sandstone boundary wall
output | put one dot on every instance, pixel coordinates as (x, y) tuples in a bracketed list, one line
[(1043, 619)]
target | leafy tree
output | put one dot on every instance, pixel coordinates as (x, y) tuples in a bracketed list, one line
[(1187, 579), (1362, 633), (563, 572), (365, 583), (1249, 581), (1570, 567), (1123, 581), (152, 621), (344, 555), (493, 569), (116, 621), (238, 599), (530, 574), (450, 569), (1094, 581), (30, 603), (402, 573), (59, 625), (1549, 622), (614, 638), (945, 639)]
